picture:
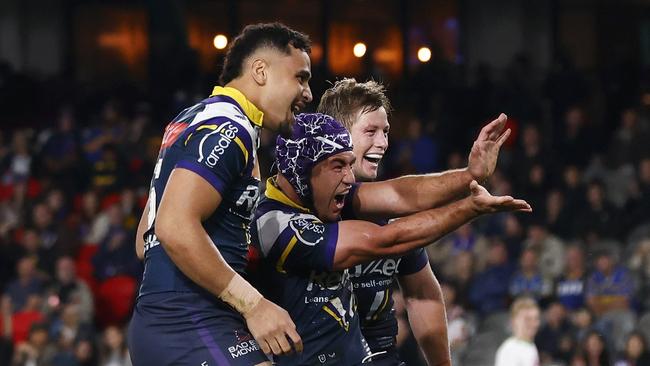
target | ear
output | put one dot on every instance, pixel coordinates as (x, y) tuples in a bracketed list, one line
[(259, 71)]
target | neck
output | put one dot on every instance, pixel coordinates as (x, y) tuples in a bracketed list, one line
[(283, 184), (251, 93)]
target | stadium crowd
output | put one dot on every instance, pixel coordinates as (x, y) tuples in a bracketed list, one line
[(73, 185)]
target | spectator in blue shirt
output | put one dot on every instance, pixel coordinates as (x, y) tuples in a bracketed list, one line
[(489, 289), (570, 286), (609, 287)]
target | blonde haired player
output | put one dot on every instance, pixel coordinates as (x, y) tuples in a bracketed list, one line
[(519, 349)]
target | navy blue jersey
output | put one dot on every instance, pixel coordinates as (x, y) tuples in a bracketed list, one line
[(216, 140), (297, 251), (373, 289), (175, 321)]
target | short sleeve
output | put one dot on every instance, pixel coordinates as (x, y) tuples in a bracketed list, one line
[(305, 244), (413, 262), (218, 153)]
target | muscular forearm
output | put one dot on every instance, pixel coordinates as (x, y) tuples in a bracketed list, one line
[(426, 311), (360, 241), (192, 251), (422, 192), (418, 230), (429, 325)]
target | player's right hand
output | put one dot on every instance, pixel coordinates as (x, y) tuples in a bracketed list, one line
[(484, 202), (272, 328)]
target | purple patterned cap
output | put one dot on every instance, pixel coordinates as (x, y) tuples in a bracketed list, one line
[(314, 137)]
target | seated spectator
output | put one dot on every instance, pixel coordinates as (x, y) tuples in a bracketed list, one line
[(94, 224), (570, 286), (549, 248), (23, 319), (115, 255), (489, 289), (636, 351), (592, 351), (460, 270), (554, 339), (37, 350), (559, 219), (113, 351), (68, 327), (519, 349), (27, 283), (528, 280), (601, 218), (68, 289), (609, 287)]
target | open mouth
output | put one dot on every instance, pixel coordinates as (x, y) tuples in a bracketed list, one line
[(373, 158), (339, 200)]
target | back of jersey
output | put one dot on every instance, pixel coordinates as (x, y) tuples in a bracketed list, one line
[(216, 140)]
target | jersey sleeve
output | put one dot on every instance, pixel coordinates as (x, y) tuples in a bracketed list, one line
[(305, 244), (219, 153), (413, 262)]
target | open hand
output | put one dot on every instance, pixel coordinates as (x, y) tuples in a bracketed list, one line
[(485, 150), (484, 202)]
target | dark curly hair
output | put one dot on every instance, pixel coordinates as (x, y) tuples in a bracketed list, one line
[(255, 36)]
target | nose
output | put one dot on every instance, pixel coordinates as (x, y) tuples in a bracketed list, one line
[(306, 94), (348, 177), (381, 140)]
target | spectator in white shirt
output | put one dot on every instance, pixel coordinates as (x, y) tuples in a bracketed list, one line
[(519, 349)]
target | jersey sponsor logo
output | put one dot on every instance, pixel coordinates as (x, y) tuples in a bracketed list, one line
[(328, 280), (150, 241), (308, 229), (243, 348), (386, 267), (227, 133)]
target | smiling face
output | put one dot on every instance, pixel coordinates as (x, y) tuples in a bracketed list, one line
[(370, 138), (331, 180), (285, 86)]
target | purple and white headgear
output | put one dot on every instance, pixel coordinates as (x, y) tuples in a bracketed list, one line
[(314, 138)]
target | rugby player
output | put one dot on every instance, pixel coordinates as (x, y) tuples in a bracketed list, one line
[(307, 251), (194, 307)]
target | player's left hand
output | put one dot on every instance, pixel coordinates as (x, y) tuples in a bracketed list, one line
[(485, 151)]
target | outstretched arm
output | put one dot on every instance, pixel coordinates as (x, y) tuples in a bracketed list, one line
[(426, 313), (406, 195), (363, 241)]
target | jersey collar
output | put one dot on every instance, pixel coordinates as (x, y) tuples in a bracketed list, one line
[(252, 112), (276, 194)]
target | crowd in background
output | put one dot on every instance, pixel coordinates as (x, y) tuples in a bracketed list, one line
[(73, 185)]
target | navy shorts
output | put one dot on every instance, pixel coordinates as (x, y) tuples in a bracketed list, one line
[(185, 329)]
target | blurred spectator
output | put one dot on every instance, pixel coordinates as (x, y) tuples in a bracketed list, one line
[(59, 154), (513, 236), (601, 218), (559, 219), (628, 142), (638, 205), (554, 340), (575, 144), (85, 353), (17, 165), (113, 348), (519, 349), (489, 289), (459, 270), (573, 188), (417, 153), (593, 351), (94, 224), (67, 289), (549, 248), (639, 264), (636, 351), (36, 350), (115, 254), (528, 280), (609, 287), (107, 172), (110, 130), (27, 283), (570, 286), (68, 326)]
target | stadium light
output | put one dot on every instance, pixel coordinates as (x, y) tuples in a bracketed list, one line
[(220, 41), (359, 49), (424, 54)]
